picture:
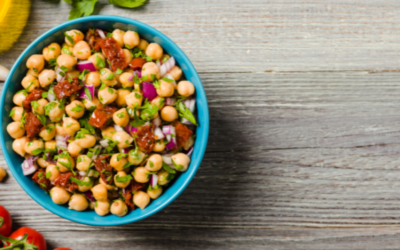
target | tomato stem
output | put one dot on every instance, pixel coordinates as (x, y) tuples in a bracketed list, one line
[(1, 221), (21, 244)]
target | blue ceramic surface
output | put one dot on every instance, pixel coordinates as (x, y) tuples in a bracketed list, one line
[(13, 84)]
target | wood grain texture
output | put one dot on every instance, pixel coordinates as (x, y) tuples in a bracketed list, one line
[(304, 100)]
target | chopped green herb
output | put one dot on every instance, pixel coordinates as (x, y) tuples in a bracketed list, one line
[(167, 79), (69, 38), (37, 151), (177, 166), (48, 175), (100, 62), (121, 115), (111, 91), (82, 183), (185, 112), (12, 112), (123, 179), (78, 108), (66, 50)]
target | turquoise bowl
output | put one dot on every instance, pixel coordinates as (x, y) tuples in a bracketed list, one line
[(13, 84)]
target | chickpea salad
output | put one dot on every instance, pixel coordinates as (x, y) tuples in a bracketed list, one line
[(104, 121)]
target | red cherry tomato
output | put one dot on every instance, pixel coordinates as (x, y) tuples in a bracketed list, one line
[(34, 237), (5, 222)]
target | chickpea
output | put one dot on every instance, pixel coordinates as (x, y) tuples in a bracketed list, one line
[(87, 186), (169, 114), (19, 97), (163, 177), (48, 133), (83, 163), (119, 208), (182, 161), (54, 172), (118, 162), (38, 106), (143, 44), (78, 202), (118, 35), (141, 174), (74, 149), (42, 163), (16, 130), (102, 207), (60, 130), (19, 145), (166, 89), (3, 173), (121, 174), (141, 199), (72, 73), (123, 138), (185, 88), (50, 145), (67, 50), (35, 62), (121, 95), (136, 157), (46, 77), (176, 73), (128, 56), (100, 192), (150, 69), (107, 77), (91, 105), (158, 101), (93, 78), (131, 39), (154, 50), (121, 117), (86, 142), (55, 113), (30, 83), (134, 99), (154, 193), (75, 35), (126, 79), (109, 187), (75, 109), (32, 73), (65, 164), (52, 51), (17, 113), (159, 146), (98, 60), (71, 126), (82, 50), (59, 195), (66, 61), (164, 58), (154, 163), (108, 132), (107, 95)]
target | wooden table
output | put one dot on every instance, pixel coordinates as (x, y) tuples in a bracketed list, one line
[(304, 149)]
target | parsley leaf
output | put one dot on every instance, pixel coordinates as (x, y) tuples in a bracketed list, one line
[(127, 3), (82, 183), (177, 166), (148, 111), (185, 112), (12, 112), (81, 8), (167, 168), (100, 62), (123, 179), (69, 38)]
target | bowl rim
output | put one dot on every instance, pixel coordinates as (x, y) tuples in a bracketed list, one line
[(200, 92)]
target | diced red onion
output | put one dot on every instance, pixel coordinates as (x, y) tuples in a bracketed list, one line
[(190, 104), (94, 156), (130, 129), (170, 145), (169, 137), (101, 33), (157, 121), (190, 152), (168, 130), (60, 78), (89, 195), (170, 101), (50, 97), (49, 159), (158, 63), (167, 66), (125, 150), (118, 128), (158, 133), (169, 76), (154, 180), (61, 142), (186, 121), (149, 91), (82, 65), (29, 165), (83, 95), (82, 173), (104, 143)]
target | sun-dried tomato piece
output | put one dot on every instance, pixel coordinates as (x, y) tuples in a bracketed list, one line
[(145, 138), (64, 181), (101, 116), (93, 39), (40, 178), (66, 88), (114, 53), (129, 190), (32, 126), (105, 170), (33, 96), (182, 134), (137, 63)]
